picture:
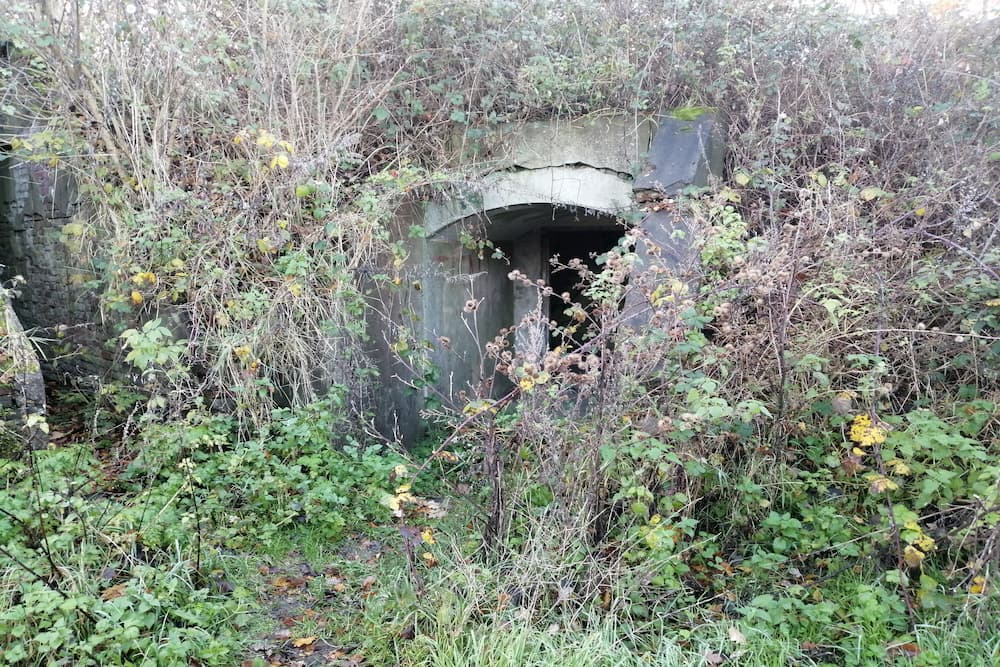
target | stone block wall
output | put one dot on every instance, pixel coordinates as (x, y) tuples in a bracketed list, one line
[(36, 202)]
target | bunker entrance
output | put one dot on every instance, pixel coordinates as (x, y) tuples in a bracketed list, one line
[(534, 235)]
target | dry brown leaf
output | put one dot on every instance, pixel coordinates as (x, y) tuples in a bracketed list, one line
[(303, 641), (909, 650), (736, 636), (113, 592), (852, 465), (285, 583)]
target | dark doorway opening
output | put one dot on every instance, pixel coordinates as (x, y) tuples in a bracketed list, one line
[(562, 245)]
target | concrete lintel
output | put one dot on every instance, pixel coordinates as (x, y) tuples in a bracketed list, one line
[(614, 142), (578, 186)]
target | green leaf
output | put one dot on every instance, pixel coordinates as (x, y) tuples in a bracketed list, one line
[(458, 116)]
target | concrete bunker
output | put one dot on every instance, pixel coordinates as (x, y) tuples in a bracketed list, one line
[(545, 189)]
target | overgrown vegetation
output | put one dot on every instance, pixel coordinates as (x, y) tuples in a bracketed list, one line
[(796, 463)]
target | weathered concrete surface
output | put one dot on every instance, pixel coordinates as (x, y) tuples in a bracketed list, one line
[(22, 388), (682, 153), (579, 186), (612, 142)]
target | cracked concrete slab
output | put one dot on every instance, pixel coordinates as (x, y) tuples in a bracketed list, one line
[(615, 143), (682, 153)]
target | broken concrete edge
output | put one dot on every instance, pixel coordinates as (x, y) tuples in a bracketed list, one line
[(576, 166), (614, 142), (619, 142), (21, 379)]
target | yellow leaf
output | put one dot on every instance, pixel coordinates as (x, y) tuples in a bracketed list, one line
[(978, 585), (400, 471), (993, 303), (427, 536), (899, 467), (925, 542), (137, 297), (477, 406), (403, 489), (144, 277), (912, 556), (285, 146), (303, 641), (266, 139), (920, 212), (429, 559), (880, 484), (295, 289), (280, 161)]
